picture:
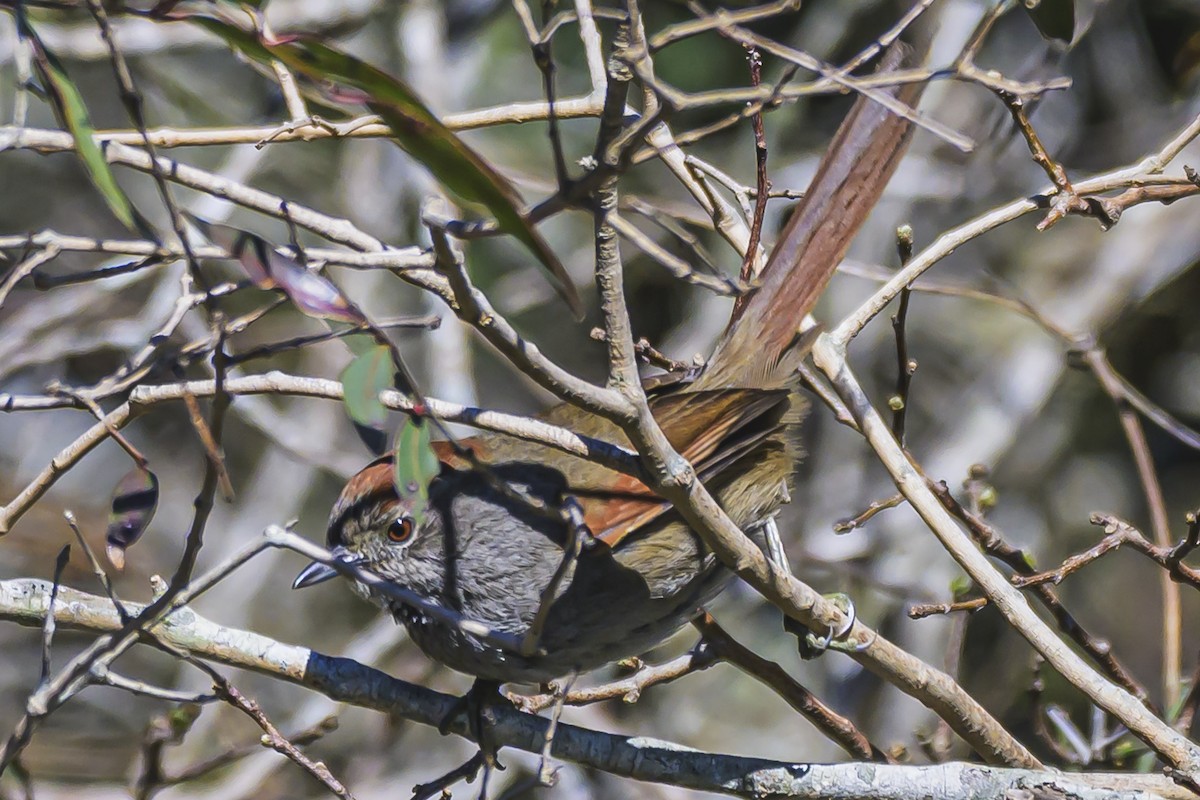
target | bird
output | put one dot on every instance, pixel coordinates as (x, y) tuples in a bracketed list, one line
[(474, 547)]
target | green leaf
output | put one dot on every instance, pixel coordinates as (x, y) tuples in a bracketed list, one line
[(73, 115), (1055, 19), (362, 381), (960, 586), (416, 464), (134, 501), (181, 718), (359, 343), (416, 129)]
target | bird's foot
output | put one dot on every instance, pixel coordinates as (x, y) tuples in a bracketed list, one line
[(811, 645), (478, 705)]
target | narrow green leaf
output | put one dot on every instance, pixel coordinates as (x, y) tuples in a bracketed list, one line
[(416, 464), (416, 129), (73, 115), (362, 381), (1055, 19)]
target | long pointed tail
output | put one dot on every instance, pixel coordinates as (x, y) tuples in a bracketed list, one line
[(759, 347)]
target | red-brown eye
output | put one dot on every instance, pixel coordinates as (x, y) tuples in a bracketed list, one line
[(401, 530)]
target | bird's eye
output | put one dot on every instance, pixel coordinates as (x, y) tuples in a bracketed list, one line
[(401, 530)]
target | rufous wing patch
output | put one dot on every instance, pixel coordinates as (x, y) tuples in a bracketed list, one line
[(702, 430)]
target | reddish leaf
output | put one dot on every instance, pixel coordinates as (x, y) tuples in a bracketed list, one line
[(311, 292)]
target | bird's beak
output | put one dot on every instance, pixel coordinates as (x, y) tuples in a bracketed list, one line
[(316, 572)]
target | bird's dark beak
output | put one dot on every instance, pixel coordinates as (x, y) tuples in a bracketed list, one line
[(317, 572)]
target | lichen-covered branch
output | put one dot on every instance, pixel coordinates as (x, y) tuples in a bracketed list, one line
[(25, 601)]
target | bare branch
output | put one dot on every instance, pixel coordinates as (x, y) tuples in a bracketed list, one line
[(1176, 749), (25, 601)]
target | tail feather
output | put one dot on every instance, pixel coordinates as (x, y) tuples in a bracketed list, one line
[(760, 345)]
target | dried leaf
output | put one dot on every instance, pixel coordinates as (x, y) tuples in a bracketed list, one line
[(310, 291), (240, 244), (133, 504)]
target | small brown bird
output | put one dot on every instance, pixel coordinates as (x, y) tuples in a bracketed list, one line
[(482, 554)]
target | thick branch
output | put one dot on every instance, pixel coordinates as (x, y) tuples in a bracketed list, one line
[(25, 601)]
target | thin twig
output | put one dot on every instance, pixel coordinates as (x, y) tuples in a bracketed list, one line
[(274, 739), (131, 98), (929, 609), (26, 268), (213, 472), (97, 567), (209, 442), (905, 367), (1172, 602), (678, 267), (48, 628), (440, 786), (236, 753), (577, 533), (97, 412), (830, 723), (860, 519), (750, 261), (1117, 532), (628, 689), (1066, 199), (543, 58), (545, 772), (1022, 563), (109, 678)]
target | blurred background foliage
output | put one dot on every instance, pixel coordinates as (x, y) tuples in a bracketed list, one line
[(992, 387)]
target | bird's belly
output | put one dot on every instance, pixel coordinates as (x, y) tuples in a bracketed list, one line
[(569, 644)]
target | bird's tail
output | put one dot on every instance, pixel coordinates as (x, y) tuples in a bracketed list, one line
[(761, 345)]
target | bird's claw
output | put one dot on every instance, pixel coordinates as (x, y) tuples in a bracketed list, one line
[(477, 705), (812, 645)]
